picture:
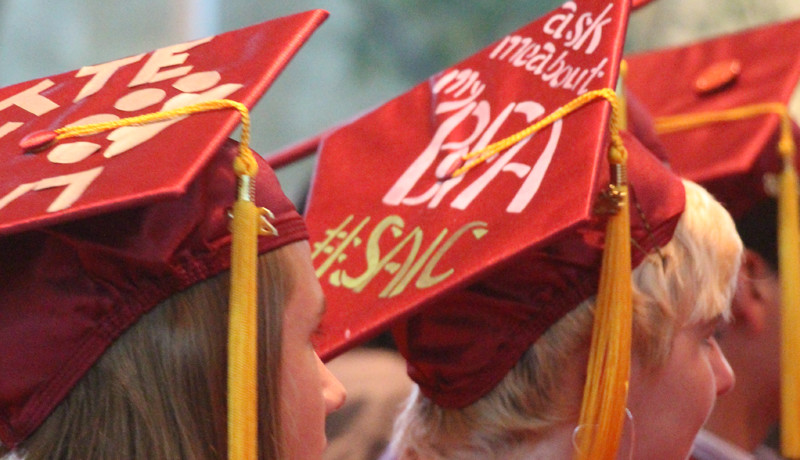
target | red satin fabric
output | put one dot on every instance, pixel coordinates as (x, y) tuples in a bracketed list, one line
[(151, 222), (67, 291), (466, 276), (729, 158), (239, 65), (464, 343)]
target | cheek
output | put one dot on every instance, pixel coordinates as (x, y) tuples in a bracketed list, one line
[(301, 383), (302, 404), (671, 404)]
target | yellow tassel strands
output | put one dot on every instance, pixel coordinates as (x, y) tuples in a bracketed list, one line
[(605, 393), (789, 271), (243, 314)]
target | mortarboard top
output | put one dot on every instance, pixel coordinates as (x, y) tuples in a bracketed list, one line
[(723, 108), (241, 65), (471, 270), (756, 66), (98, 229)]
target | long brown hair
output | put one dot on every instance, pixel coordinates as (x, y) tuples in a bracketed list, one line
[(159, 391)]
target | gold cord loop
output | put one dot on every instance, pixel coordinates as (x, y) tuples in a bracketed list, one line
[(617, 153)]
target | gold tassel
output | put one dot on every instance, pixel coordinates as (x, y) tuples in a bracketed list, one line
[(789, 273), (243, 313), (243, 331), (605, 393), (606, 390), (246, 226)]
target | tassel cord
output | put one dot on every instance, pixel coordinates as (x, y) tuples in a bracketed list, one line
[(246, 225), (602, 414)]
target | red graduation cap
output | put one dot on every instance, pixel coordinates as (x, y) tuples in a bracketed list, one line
[(96, 230), (240, 65), (756, 66), (721, 106), (471, 270)]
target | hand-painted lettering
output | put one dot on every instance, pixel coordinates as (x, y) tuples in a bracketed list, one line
[(575, 32), (402, 258), (31, 99), (74, 186), (101, 73), (482, 128), (166, 57), (165, 63)]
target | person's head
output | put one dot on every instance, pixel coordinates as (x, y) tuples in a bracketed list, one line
[(726, 116), (681, 292), (159, 389), (752, 340), (122, 217), (307, 390), (483, 221)]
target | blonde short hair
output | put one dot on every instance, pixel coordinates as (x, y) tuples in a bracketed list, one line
[(690, 279)]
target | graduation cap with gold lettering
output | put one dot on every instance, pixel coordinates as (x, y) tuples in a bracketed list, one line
[(114, 194), (722, 109), (480, 187)]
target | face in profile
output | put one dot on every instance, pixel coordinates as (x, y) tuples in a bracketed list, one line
[(671, 403), (308, 392)]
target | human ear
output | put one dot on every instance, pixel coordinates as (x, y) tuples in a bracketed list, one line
[(749, 305)]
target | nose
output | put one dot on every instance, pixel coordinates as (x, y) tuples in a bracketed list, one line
[(333, 391), (723, 373)]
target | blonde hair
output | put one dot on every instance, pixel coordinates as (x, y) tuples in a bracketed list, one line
[(688, 280), (159, 390)]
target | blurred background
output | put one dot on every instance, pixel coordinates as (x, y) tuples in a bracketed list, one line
[(366, 53)]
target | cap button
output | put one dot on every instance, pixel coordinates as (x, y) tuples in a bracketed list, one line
[(717, 76), (37, 140)]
